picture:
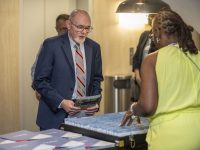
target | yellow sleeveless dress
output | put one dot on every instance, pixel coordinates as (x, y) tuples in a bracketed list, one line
[(176, 122)]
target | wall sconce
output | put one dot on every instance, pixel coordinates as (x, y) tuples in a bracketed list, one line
[(141, 6)]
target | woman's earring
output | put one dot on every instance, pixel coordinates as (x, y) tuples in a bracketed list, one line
[(157, 40)]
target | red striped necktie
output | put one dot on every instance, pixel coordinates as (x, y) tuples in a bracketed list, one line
[(80, 73)]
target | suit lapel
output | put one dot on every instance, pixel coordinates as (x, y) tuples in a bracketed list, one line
[(88, 57), (67, 50)]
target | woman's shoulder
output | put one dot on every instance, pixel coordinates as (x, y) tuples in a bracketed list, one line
[(151, 58)]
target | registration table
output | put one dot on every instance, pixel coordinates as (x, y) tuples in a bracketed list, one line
[(106, 127)]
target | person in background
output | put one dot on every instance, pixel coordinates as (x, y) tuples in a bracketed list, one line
[(69, 67), (61, 23), (61, 27), (144, 47), (170, 87)]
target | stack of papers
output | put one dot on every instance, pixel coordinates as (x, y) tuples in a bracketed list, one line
[(50, 140), (60, 133), (92, 143), (45, 144), (3, 141), (24, 135)]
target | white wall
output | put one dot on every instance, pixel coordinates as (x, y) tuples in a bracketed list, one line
[(189, 11)]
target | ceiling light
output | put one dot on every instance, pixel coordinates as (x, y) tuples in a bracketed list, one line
[(141, 6)]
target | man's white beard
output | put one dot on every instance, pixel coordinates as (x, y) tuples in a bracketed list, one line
[(78, 40)]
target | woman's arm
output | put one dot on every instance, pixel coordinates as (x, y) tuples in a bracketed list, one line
[(148, 99)]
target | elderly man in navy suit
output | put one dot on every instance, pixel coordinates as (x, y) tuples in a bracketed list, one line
[(69, 66)]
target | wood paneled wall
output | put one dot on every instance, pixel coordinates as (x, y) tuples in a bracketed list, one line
[(9, 66)]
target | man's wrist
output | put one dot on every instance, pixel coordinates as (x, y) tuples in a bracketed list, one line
[(62, 103)]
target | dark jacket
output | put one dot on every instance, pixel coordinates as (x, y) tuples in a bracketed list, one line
[(55, 77), (138, 57)]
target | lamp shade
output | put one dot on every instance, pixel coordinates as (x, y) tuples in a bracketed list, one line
[(138, 6)]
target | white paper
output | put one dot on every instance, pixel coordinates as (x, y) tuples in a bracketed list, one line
[(41, 136), (72, 144), (7, 142), (71, 135), (102, 144), (44, 147)]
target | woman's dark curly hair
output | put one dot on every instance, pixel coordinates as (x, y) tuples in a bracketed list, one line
[(172, 24)]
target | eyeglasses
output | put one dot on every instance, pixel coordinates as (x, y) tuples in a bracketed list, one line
[(81, 28)]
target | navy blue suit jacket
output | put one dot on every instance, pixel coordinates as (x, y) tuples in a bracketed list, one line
[(55, 77)]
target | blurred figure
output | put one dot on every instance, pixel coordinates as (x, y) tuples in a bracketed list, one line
[(61, 27), (144, 47), (61, 23), (170, 87), (69, 67)]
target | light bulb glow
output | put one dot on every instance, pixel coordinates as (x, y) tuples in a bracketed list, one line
[(133, 19)]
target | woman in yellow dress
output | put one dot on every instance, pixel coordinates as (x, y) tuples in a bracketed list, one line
[(170, 88)]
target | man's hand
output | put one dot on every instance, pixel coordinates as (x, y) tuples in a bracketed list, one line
[(68, 106), (91, 110)]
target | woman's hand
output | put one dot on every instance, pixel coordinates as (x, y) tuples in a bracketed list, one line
[(127, 119)]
